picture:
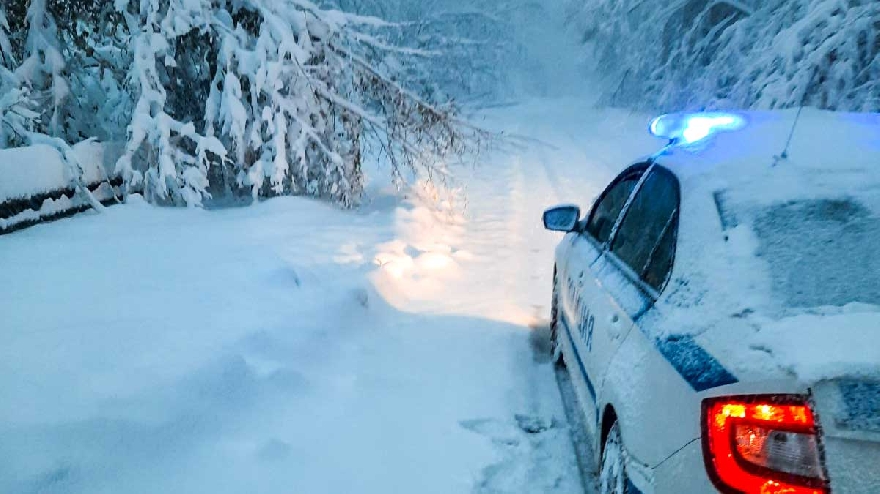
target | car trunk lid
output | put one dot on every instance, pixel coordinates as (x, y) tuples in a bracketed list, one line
[(848, 411)]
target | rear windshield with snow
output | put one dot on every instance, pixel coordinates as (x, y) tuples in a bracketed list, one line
[(821, 252)]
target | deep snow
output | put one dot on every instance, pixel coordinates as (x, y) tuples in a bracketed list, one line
[(292, 347)]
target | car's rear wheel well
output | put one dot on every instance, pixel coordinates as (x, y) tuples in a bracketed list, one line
[(609, 417)]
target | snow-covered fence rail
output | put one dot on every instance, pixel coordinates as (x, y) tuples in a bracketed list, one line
[(35, 185)]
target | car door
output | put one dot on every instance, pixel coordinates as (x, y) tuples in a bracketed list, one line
[(588, 245), (635, 266), (580, 292)]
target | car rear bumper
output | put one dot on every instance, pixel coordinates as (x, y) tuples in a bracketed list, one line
[(683, 473)]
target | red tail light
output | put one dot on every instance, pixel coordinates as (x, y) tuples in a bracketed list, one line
[(762, 445)]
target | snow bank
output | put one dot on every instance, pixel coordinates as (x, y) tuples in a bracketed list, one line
[(35, 183), (169, 357), (27, 171)]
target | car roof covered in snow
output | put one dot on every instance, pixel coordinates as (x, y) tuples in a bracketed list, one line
[(828, 151), (764, 241)]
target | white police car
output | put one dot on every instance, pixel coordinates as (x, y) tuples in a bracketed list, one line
[(718, 308)]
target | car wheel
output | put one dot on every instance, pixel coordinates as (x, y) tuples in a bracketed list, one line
[(555, 348), (612, 476)]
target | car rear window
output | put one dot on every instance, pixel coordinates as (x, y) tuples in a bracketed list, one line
[(821, 252)]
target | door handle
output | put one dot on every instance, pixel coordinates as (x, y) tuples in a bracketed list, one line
[(614, 326)]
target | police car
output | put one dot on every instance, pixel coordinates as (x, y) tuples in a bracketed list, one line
[(718, 308)]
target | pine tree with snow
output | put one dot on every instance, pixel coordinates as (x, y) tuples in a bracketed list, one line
[(16, 114), (743, 53)]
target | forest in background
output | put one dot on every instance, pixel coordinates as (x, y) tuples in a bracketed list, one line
[(705, 54), (255, 98)]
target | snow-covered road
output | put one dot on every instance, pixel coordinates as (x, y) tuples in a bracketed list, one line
[(290, 347)]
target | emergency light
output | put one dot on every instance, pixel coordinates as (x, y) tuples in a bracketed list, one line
[(684, 129)]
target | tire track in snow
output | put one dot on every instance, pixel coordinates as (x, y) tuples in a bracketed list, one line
[(541, 176), (535, 447), (507, 275)]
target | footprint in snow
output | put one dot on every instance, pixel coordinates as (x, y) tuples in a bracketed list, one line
[(535, 456)]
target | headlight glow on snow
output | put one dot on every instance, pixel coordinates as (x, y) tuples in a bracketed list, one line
[(688, 128)]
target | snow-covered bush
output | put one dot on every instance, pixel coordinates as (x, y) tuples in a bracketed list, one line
[(224, 96), (735, 53)]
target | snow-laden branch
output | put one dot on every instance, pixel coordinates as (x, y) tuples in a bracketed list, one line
[(734, 53), (260, 97)]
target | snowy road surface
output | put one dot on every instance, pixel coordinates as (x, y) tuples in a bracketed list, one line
[(290, 347)]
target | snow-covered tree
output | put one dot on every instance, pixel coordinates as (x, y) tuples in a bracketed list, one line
[(742, 53), (7, 58), (460, 49), (225, 96), (16, 114), (294, 95), (63, 58), (37, 82), (42, 70), (97, 50)]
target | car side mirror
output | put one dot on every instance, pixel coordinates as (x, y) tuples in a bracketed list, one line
[(562, 218)]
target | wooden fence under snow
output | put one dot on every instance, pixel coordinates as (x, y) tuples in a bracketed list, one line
[(35, 185)]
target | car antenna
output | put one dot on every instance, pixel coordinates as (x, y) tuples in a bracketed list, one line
[(784, 155), (666, 149)]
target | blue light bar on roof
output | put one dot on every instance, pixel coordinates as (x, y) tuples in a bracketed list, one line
[(684, 129)]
